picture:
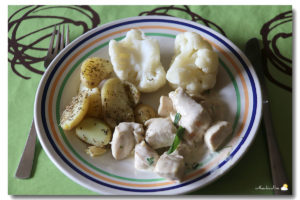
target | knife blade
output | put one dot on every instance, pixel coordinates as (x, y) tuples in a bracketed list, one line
[(279, 178)]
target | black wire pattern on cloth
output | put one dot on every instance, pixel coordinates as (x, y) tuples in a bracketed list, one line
[(21, 54), (272, 32), (185, 10)]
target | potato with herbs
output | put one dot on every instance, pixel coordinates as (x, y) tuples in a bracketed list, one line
[(115, 103), (94, 70), (143, 112), (75, 111), (133, 93), (94, 96), (95, 151), (94, 131)]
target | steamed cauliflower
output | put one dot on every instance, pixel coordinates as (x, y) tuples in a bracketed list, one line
[(136, 59), (195, 64)]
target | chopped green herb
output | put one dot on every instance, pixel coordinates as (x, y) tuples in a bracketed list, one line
[(177, 139), (177, 118), (150, 160)]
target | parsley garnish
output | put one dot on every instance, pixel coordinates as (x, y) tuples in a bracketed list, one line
[(150, 160), (179, 134), (177, 118), (177, 139)]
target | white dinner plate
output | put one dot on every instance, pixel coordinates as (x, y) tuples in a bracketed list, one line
[(237, 86)]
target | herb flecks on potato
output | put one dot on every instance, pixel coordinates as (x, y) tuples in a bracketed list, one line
[(94, 70), (75, 111), (115, 102), (94, 132), (143, 112), (95, 104)]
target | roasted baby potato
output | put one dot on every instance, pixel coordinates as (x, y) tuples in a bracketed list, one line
[(133, 93), (115, 102), (95, 151), (75, 111), (143, 112), (94, 131), (94, 96), (94, 70)]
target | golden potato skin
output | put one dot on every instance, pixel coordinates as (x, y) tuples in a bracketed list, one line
[(115, 103), (143, 112), (94, 70), (75, 111), (94, 96), (95, 107)]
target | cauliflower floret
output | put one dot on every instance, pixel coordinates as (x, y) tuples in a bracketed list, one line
[(136, 59), (195, 64)]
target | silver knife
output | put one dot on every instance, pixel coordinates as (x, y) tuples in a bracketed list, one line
[(279, 177)]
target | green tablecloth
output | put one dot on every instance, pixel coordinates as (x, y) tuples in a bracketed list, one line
[(270, 24)]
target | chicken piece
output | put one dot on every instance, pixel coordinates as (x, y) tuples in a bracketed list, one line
[(160, 132), (184, 149), (138, 131), (216, 134), (194, 118), (125, 136), (165, 106), (145, 157), (170, 166)]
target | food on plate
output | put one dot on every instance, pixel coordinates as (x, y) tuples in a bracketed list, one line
[(115, 102), (136, 59), (125, 136), (192, 125), (75, 111), (109, 116), (194, 118), (145, 158), (94, 151), (165, 106), (94, 70), (177, 139), (94, 97), (195, 64), (143, 112), (160, 132), (94, 132), (185, 149), (217, 134), (133, 93), (170, 166)]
